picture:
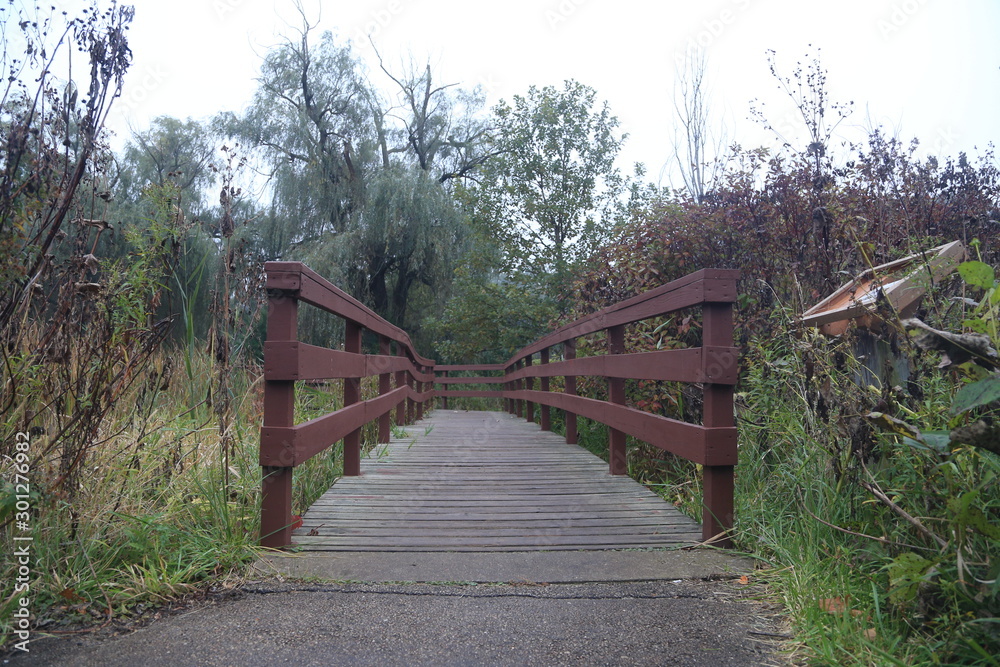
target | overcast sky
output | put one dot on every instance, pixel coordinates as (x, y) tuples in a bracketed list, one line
[(921, 68)]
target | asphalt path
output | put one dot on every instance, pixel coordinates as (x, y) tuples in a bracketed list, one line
[(682, 622)]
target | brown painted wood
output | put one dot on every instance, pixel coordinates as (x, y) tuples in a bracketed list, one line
[(707, 446), (312, 288), (469, 393), (569, 354), (499, 368), (617, 462), (352, 395), (469, 380), (718, 480), (384, 387), (713, 364), (279, 412), (544, 420), (704, 286), (482, 481), (293, 360), (285, 445)]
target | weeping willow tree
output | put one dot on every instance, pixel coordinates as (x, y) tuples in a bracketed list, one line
[(399, 253), (360, 179)]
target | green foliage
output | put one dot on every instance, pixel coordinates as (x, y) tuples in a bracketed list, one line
[(360, 185), (550, 194), (490, 314), (545, 201), (169, 151)]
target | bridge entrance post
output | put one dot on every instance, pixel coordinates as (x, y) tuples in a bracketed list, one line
[(718, 481), (617, 461), (279, 411)]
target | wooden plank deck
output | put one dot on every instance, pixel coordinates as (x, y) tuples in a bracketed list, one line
[(488, 481)]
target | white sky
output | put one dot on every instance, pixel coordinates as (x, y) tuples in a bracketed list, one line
[(924, 68)]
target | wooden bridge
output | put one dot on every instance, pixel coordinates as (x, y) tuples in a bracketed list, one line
[(481, 481)]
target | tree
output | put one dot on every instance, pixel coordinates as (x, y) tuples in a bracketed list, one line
[(699, 170), (544, 202), (171, 150), (359, 185), (444, 134), (806, 88), (552, 189)]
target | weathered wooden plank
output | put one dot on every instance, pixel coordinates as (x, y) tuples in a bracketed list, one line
[(716, 364), (467, 481), (707, 285), (701, 444)]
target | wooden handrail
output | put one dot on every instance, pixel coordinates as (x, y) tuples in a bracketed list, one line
[(284, 444), (713, 365)]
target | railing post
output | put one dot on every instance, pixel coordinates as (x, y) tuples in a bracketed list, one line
[(401, 406), (279, 411), (718, 481), (510, 387), (569, 352), (519, 403), (444, 399), (616, 394), (384, 386), (529, 384), (352, 394), (545, 418), (411, 403), (420, 388), (425, 387)]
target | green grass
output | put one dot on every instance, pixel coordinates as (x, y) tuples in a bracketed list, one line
[(830, 550), (161, 511)]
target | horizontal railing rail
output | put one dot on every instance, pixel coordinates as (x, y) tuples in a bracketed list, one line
[(284, 444), (446, 392), (714, 365), (408, 383)]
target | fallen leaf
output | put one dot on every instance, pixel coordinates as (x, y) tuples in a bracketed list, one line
[(71, 595), (296, 522), (744, 580), (836, 605), (870, 633)]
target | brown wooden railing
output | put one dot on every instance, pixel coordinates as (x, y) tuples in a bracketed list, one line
[(713, 365), (284, 444)]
